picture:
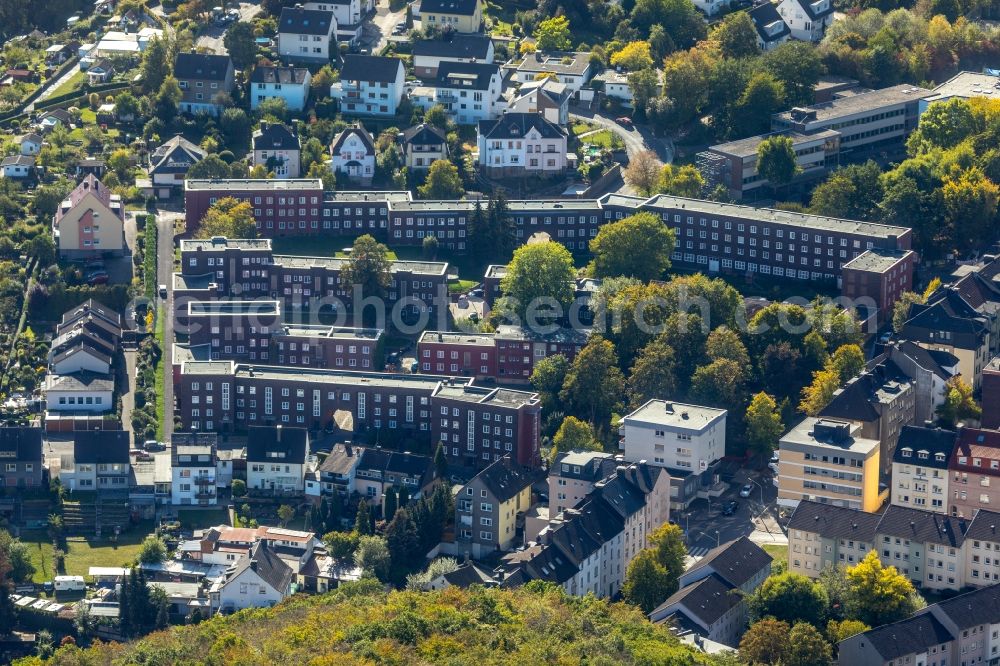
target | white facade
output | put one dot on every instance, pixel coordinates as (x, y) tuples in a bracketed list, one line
[(353, 157), (919, 487), (347, 13), (193, 480), (280, 476), (246, 590), (79, 359), (96, 399), (466, 106), (31, 145), (360, 97), (796, 14), (427, 65), (531, 152), (675, 435), (21, 168), (306, 45)]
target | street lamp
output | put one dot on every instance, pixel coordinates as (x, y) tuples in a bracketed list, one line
[(716, 538), (761, 486)]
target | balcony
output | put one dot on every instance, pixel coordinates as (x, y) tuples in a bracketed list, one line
[(205, 494), (204, 480)]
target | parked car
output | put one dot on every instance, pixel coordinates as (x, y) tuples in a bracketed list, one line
[(730, 508), (624, 121), (49, 587), (100, 278), (746, 490), (163, 291)]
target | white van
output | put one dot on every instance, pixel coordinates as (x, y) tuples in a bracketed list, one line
[(70, 584)]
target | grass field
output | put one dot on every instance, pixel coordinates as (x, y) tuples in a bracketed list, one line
[(604, 139), (159, 373), (84, 552), (323, 246), (191, 519), (70, 84), (778, 552)]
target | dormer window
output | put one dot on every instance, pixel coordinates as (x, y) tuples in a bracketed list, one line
[(907, 452), (922, 455), (939, 457)]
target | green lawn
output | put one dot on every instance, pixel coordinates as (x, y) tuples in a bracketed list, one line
[(70, 84), (316, 246), (193, 519), (84, 552), (579, 127), (604, 139), (778, 552), (461, 286)]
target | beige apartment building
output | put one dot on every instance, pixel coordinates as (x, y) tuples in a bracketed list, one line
[(826, 460)]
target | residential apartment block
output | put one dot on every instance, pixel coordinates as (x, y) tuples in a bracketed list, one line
[(936, 552), (974, 469), (573, 476), (950, 324), (687, 440), (479, 425), (920, 468), (961, 630), (488, 506), (807, 19), (226, 397), (711, 236), (518, 144), (463, 16), (827, 460), (193, 467), (589, 547), (369, 85), (89, 222), (712, 595), (428, 54), (881, 400), (468, 91), (882, 275), (205, 81), (276, 458), (306, 35)]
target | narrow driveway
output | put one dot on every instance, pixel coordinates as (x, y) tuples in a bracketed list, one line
[(53, 86), (636, 139), (164, 270), (377, 31)]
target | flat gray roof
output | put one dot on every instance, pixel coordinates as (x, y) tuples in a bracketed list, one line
[(555, 205), (193, 282), (223, 243), (500, 397), (496, 270), (454, 338), (748, 147), (315, 375), (878, 260), (802, 435), (337, 263), (233, 308), (968, 84), (332, 332), (553, 62), (626, 200), (375, 196), (252, 184), (805, 220), (676, 415), (435, 205), (862, 102)]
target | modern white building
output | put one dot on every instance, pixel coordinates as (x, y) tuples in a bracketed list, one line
[(193, 469), (545, 96), (689, 440), (353, 155), (290, 84), (81, 392), (369, 85), (520, 144), (469, 92), (306, 35), (17, 167), (807, 19)]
